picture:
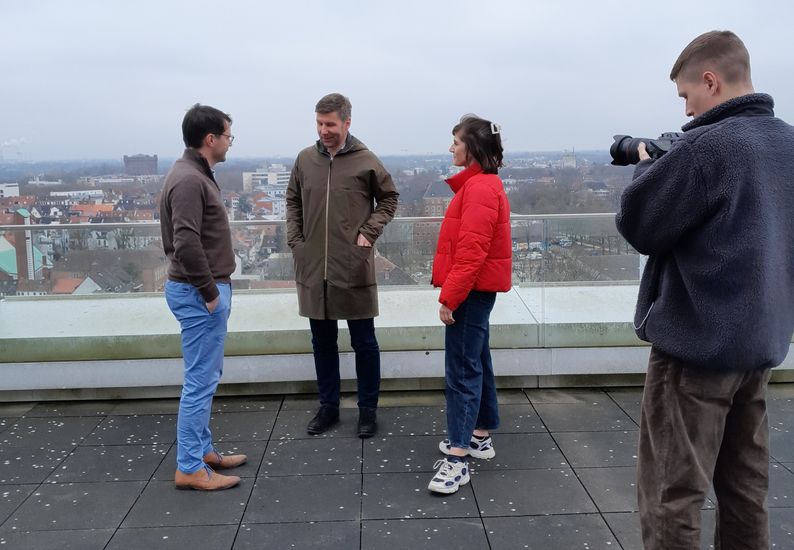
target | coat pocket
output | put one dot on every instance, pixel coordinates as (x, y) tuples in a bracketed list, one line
[(361, 270)]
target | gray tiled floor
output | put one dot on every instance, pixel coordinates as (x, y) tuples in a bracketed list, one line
[(99, 475)]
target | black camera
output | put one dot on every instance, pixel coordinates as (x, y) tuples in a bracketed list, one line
[(624, 149)]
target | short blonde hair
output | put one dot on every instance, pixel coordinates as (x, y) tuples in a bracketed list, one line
[(720, 51)]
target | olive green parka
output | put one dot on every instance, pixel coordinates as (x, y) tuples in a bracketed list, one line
[(329, 202)]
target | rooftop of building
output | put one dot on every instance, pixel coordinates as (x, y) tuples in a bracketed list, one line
[(99, 475)]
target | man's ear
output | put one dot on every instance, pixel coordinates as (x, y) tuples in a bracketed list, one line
[(711, 81)]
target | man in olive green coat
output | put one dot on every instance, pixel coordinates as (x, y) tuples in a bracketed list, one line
[(339, 199)]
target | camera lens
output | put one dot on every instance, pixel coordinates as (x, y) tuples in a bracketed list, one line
[(624, 150)]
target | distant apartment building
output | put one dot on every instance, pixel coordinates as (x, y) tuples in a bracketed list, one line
[(436, 199), (92, 194), (275, 175), (140, 165), (9, 190), (38, 181), (270, 184)]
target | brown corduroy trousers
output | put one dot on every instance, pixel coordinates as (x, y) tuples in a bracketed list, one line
[(700, 427)]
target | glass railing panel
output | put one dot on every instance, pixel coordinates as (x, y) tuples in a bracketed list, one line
[(128, 257)]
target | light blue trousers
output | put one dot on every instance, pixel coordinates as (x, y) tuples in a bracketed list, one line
[(202, 349)]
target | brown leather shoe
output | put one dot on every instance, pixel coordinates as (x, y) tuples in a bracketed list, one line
[(204, 480), (217, 461)]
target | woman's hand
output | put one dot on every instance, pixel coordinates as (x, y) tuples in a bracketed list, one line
[(445, 314)]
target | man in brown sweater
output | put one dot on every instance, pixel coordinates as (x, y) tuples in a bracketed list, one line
[(198, 243)]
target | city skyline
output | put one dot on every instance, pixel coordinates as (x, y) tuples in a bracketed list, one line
[(118, 79)]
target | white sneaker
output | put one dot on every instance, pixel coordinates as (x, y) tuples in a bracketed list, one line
[(478, 448), (449, 477)]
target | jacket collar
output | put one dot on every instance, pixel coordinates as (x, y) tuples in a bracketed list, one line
[(350, 144), (745, 105), (194, 157), (458, 180)]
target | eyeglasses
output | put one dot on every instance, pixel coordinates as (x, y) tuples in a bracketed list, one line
[(231, 137)]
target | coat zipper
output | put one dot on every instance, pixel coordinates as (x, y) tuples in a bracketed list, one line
[(327, 202)]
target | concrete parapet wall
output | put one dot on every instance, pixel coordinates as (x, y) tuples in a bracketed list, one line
[(132, 341)]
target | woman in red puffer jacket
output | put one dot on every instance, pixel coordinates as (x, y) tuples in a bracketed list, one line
[(473, 262)]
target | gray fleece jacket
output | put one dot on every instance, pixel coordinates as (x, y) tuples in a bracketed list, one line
[(716, 216)]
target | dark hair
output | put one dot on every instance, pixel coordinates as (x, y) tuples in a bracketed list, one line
[(201, 120), (483, 141), (720, 51), (335, 103)]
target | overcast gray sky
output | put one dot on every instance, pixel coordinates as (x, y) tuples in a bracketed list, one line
[(103, 78)]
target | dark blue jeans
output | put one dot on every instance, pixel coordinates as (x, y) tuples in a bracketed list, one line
[(471, 388), (326, 360)]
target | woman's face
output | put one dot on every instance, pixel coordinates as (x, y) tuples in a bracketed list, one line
[(460, 155)]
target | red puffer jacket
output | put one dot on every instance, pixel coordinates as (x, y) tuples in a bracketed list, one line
[(474, 245)]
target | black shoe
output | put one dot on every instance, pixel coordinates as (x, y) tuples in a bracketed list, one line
[(325, 418), (367, 422)]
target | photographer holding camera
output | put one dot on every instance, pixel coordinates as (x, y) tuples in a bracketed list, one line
[(715, 214)]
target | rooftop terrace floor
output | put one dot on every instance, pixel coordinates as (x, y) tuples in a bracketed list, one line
[(98, 475)]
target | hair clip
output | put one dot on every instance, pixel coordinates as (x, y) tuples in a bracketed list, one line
[(495, 128)]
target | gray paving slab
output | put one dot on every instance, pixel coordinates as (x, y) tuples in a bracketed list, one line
[(521, 452), (628, 399), (626, 527), (519, 418), (335, 455), (612, 489), (60, 433), (205, 537), (291, 424), (5, 423), (89, 463), (16, 409), (242, 426), (29, 465), (510, 397), (588, 531), (781, 528), (781, 392), (306, 536), (11, 497), (424, 534), (412, 421), (161, 505), (530, 492), (310, 402), (140, 407), (82, 539), (781, 487), (134, 430), (426, 398), (254, 450), (71, 408), (57, 506), (405, 495), (247, 403), (781, 443), (305, 498), (543, 396), (599, 449), (593, 416), (781, 429), (401, 454)]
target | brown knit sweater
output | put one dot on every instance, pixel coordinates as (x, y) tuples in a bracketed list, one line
[(194, 226)]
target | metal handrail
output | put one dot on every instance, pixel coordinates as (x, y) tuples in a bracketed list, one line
[(242, 223)]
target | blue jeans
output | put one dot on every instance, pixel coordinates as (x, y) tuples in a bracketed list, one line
[(202, 349), (326, 360), (470, 384)]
